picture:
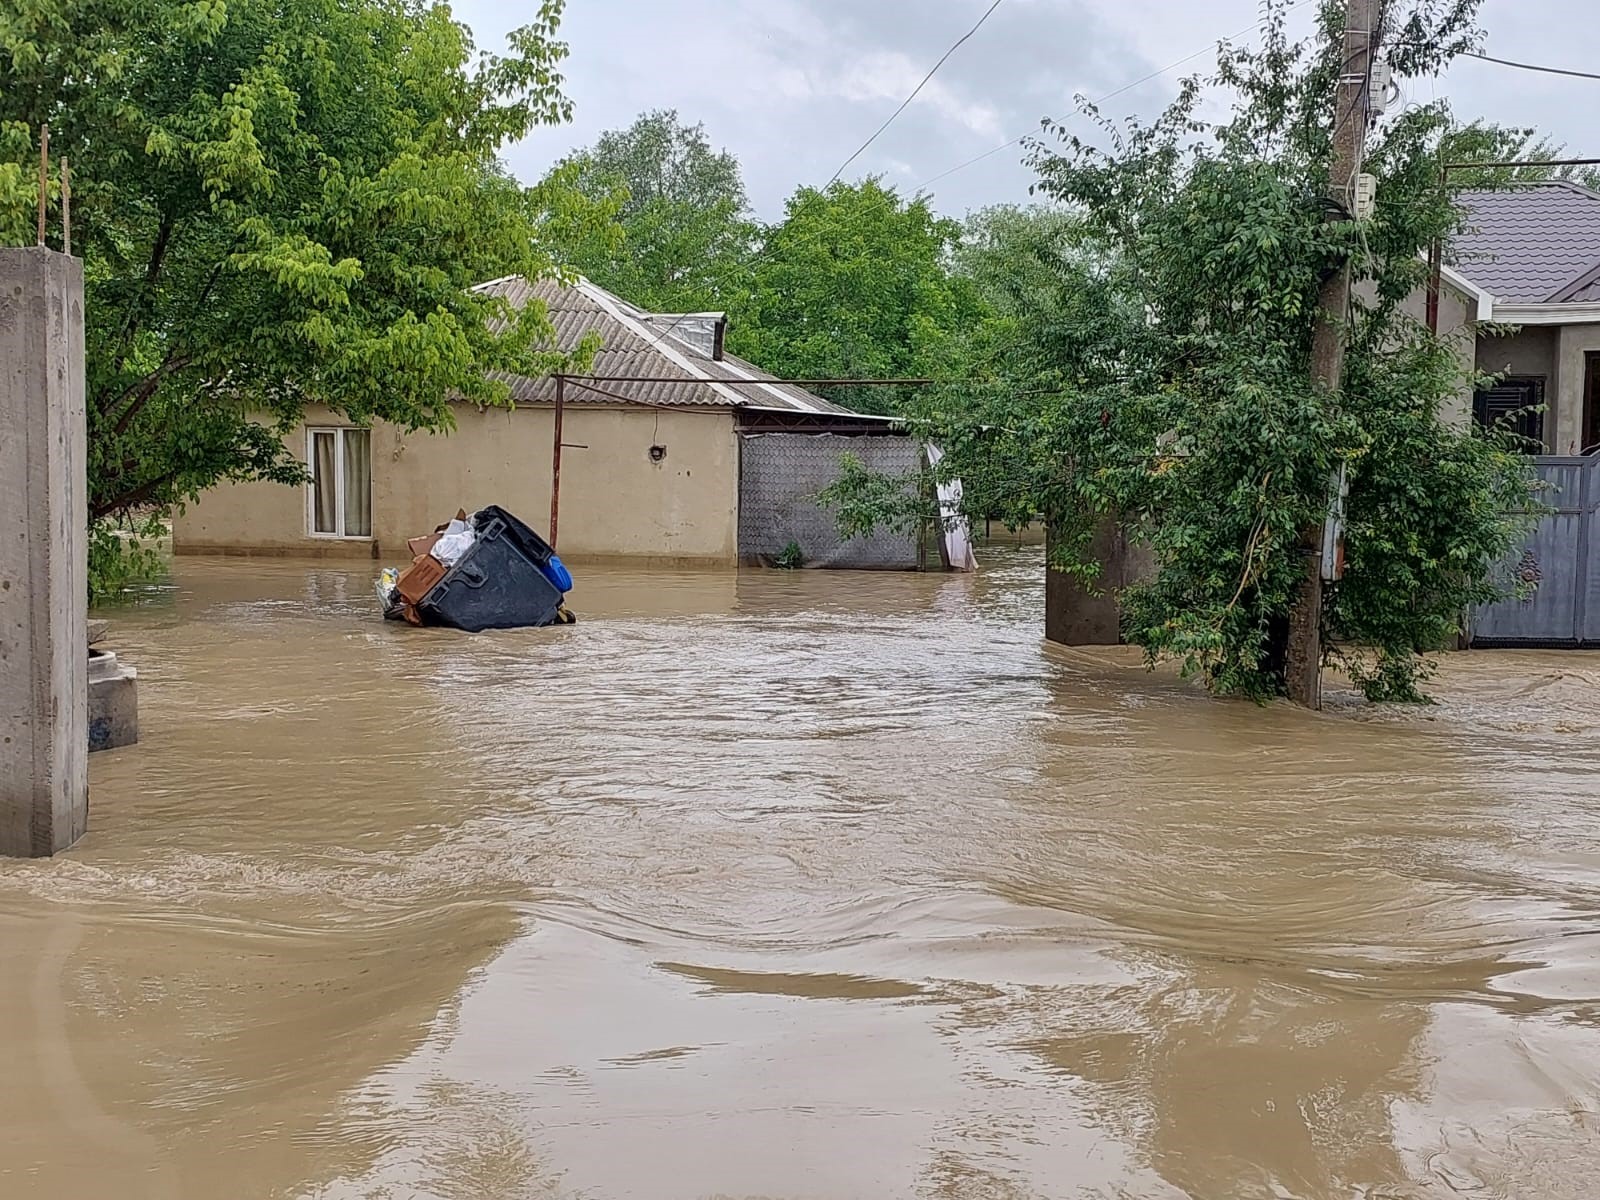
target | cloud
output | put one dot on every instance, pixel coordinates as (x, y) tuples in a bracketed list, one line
[(890, 77), (793, 86)]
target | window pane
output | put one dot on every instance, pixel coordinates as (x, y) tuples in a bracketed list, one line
[(357, 483), (324, 506), (1512, 405)]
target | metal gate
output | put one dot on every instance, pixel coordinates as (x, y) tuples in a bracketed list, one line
[(1560, 555)]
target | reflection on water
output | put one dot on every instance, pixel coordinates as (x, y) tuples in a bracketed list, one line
[(796, 885)]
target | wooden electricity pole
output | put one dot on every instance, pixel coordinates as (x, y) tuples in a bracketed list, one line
[(1363, 18)]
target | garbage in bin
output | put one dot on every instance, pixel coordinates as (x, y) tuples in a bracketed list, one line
[(486, 571), (388, 591)]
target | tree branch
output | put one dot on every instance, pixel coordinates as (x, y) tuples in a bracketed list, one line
[(142, 390), (133, 497), (152, 273)]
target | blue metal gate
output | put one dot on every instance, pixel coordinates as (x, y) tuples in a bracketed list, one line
[(1559, 555)]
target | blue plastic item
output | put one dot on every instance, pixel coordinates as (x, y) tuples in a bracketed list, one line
[(502, 582), (556, 572)]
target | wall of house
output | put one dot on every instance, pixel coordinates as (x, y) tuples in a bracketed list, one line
[(1458, 322), (1555, 352), (615, 502), (1572, 344), (1530, 350)]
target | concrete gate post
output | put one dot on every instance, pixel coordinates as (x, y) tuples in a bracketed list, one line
[(1077, 616), (44, 586)]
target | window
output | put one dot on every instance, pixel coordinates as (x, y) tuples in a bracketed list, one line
[(340, 499), (1510, 403)]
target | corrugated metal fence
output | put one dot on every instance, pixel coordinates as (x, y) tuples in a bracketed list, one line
[(1562, 556)]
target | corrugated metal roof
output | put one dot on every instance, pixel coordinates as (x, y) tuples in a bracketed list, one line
[(1529, 243), (635, 343)]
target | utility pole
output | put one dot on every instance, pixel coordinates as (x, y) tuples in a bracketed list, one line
[(1362, 30), (555, 458)]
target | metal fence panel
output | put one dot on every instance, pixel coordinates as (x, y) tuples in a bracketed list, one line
[(780, 475), (1557, 555)]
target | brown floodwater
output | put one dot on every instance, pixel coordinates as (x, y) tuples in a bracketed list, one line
[(796, 885)]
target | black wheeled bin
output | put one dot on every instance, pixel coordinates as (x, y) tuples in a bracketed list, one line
[(498, 583)]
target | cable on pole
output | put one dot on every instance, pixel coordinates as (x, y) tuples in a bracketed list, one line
[(1522, 66)]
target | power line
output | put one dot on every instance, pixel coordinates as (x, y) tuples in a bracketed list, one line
[(1522, 66), (1128, 87), (906, 103), (768, 249)]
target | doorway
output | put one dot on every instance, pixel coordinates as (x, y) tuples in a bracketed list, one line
[(1591, 402)]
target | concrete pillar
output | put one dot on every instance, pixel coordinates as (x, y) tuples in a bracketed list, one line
[(1076, 616), (44, 639)]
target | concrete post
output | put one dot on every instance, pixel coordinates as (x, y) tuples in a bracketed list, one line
[(44, 637), (1076, 616)]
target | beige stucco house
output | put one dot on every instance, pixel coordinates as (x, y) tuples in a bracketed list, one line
[(650, 471), (1525, 274)]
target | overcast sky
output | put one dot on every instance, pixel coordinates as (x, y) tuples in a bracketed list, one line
[(792, 87)]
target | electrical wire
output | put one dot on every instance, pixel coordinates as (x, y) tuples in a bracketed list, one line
[(1128, 87), (1522, 66), (767, 251), (906, 103)]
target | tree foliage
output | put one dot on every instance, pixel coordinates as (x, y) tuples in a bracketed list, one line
[(854, 282), (1158, 373), (685, 224), (281, 204)]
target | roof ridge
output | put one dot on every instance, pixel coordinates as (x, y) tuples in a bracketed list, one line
[(1575, 285), (1519, 185), (629, 330)]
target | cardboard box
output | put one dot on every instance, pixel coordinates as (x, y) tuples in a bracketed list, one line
[(423, 545), (417, 580)]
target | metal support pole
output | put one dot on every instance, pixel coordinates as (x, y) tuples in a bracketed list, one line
[(1435, 274), (44, 177), (66, 206), (555, 458)]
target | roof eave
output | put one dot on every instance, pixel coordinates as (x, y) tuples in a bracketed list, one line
[(1482, 298), (1580, 312)]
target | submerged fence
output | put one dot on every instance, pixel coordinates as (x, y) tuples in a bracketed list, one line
[(1561, 556)]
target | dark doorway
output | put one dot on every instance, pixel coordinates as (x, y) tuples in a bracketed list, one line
[(1516, 402), (1591, 402)]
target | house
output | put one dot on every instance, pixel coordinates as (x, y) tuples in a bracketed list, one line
[(1529, 257), (674, 452), (1520, 299)]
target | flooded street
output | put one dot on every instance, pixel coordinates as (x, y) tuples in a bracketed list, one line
[(796, 885)]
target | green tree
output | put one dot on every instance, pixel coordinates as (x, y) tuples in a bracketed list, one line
[(855, 281), (1164, 379), (281, 204), (686, 226)]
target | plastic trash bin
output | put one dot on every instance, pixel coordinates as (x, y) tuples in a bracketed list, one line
[(500, 583)]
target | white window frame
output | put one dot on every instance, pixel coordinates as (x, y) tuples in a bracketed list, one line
[(338, 432)]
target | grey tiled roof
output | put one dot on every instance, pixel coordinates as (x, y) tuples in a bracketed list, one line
[(639, 344), (1531, 243)]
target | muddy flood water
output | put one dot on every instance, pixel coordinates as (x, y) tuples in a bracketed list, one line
[(796, 885)]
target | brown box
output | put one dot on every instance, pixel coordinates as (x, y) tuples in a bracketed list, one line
[(424, 544), (417, 580)]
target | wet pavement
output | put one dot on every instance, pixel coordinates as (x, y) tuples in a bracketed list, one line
[(796, 885)]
